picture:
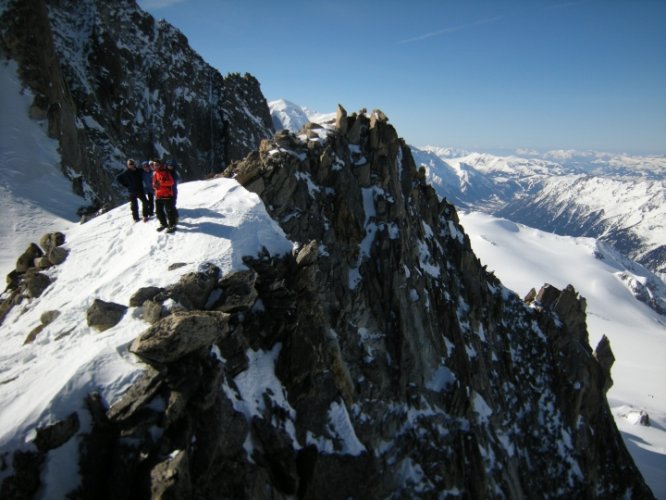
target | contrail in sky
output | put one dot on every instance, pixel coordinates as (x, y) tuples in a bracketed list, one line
[(158, 4), (451, 29)]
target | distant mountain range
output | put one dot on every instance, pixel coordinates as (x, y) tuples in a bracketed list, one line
[(619, 199)]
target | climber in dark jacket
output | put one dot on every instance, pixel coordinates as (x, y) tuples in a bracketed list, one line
[(148, 187), (132, 179)]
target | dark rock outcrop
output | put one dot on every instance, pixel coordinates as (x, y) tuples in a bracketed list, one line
[(237, 292), (398, 321), (193, 289), (55, 435), (35, 283), (127, 86), (163, 437), (144, 294), (604, 355), (27, 258), (51, 240), (24, 482)]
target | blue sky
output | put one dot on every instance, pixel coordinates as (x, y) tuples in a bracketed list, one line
[(541, 74)]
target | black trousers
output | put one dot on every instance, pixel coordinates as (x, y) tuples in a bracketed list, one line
[(134, 205), (150, 200), (166, 211)]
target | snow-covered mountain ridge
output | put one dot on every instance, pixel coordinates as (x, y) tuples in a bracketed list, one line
[(110, 258), (403, 224), (332, 334), (369, 343), (286, 114)]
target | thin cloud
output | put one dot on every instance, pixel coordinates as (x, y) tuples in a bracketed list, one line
[(452, 29), (158, 4)]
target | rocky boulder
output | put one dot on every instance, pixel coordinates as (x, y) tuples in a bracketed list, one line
[(35, 283), (25, 281), (51, 240), (605, 357), (103, 315), (27, 258), (46, 319), (55, 435), (179, 334), (238, 292), (193, 289), (57, 255), (138, 396), (152, 311), (144, 294), (171, 477)]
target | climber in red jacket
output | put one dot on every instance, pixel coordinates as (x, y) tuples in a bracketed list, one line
[(163, 185)]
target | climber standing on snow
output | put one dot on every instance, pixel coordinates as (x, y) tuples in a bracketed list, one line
[(132, 179), (171, 167), (163, 184), (148, 187)]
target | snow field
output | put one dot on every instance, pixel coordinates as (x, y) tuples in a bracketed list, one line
[(524, 258)]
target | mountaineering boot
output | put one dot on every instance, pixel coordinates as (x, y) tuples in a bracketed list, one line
[(171, 229), (161, 228)]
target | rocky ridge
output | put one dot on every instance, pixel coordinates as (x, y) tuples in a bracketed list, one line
[(398, 365), (430, 331), (113, 83), (615, 198)]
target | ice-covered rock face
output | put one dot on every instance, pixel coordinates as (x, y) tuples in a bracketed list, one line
[(114, 84)]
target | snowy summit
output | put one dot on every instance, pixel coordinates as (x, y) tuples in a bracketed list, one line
[(290, 116)]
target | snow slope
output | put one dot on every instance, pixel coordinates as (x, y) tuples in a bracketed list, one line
[(110, 258), (524, 258), (35, 198)]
